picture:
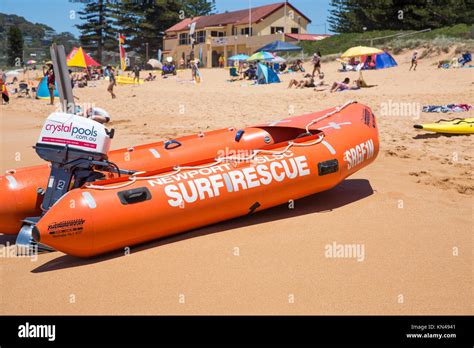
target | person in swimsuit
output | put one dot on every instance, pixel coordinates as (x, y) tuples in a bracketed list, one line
[(316, 60), (340, 86), (307, 81), (112, 81), (98, 115), (51, 80), (414, 61)]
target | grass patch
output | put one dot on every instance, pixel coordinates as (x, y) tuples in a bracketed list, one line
[(444, 38)]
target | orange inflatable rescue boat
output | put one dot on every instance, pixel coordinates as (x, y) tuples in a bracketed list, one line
[(26, 187), (299, 156)]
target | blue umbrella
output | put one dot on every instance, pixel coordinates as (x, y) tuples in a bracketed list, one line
[(239, 57)]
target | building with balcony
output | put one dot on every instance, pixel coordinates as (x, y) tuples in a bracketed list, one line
[(230, 33)]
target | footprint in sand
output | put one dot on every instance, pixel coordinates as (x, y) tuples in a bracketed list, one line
[(396, 152)]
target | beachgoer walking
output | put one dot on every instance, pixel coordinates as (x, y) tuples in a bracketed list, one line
[(316, 60), (221, 61), (414, 61), (136, 71), (112, 82), (51, 81)]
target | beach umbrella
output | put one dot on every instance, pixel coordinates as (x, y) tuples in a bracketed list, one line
[(261, 56), (80, 59), (278, 59), (154, 63), (12, 73), (279, 46), (359, 51), (31, 61), (239, 57)]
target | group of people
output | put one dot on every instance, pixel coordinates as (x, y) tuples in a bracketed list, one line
[(308, 80)]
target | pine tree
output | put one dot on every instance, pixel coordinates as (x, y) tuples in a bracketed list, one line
[(354, 15), (346, 16), (143, 22), (15, 46), (97, 32), (194, 8)]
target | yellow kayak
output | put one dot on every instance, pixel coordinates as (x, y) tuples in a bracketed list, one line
[(454, 126)]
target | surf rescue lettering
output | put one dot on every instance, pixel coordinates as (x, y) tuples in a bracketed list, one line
[(358, 154), (221, 177)]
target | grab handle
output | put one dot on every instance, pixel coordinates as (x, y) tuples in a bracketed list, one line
[(169, 142), (239, 134), (132, 196)]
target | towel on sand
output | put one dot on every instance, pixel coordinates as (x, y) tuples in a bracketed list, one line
[(447, 108)]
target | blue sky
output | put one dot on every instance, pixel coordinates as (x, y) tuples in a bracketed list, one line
[(59, 14)]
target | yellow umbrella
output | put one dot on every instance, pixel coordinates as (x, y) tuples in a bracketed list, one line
[(360, 51)]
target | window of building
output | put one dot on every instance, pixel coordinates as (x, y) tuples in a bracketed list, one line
[(217, 33), (234, 31), (246, 31), (275, 30), (295, 30), (184, 39), (201, 36)]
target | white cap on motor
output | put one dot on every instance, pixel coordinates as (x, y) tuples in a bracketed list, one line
[(78, 132)]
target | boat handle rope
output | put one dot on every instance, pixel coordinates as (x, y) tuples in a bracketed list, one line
[(460, 120), (176, 169), (335, 111)]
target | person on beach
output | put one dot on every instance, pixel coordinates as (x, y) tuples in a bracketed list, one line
[(4, 91), (72, 78), (297, 66), (98, 115), (51, 80), (414, 61), (316, 60), (112, 82), (150, 77), (251, 72), (307, 81), (136, 72), (340, 86), (221, 61)]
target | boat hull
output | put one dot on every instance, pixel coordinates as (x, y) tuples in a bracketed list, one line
[(120, 213)]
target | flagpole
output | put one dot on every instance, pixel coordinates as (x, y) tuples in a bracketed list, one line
[(250, 25), (250, 17)]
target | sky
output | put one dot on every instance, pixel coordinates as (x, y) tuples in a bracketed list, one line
[(61, 14)]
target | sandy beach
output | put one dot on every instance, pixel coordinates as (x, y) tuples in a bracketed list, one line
[(412, 209)]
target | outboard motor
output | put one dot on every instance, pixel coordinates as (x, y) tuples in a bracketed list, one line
[(77, 149)]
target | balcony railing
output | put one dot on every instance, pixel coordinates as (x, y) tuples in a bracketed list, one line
[(249, 41)]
